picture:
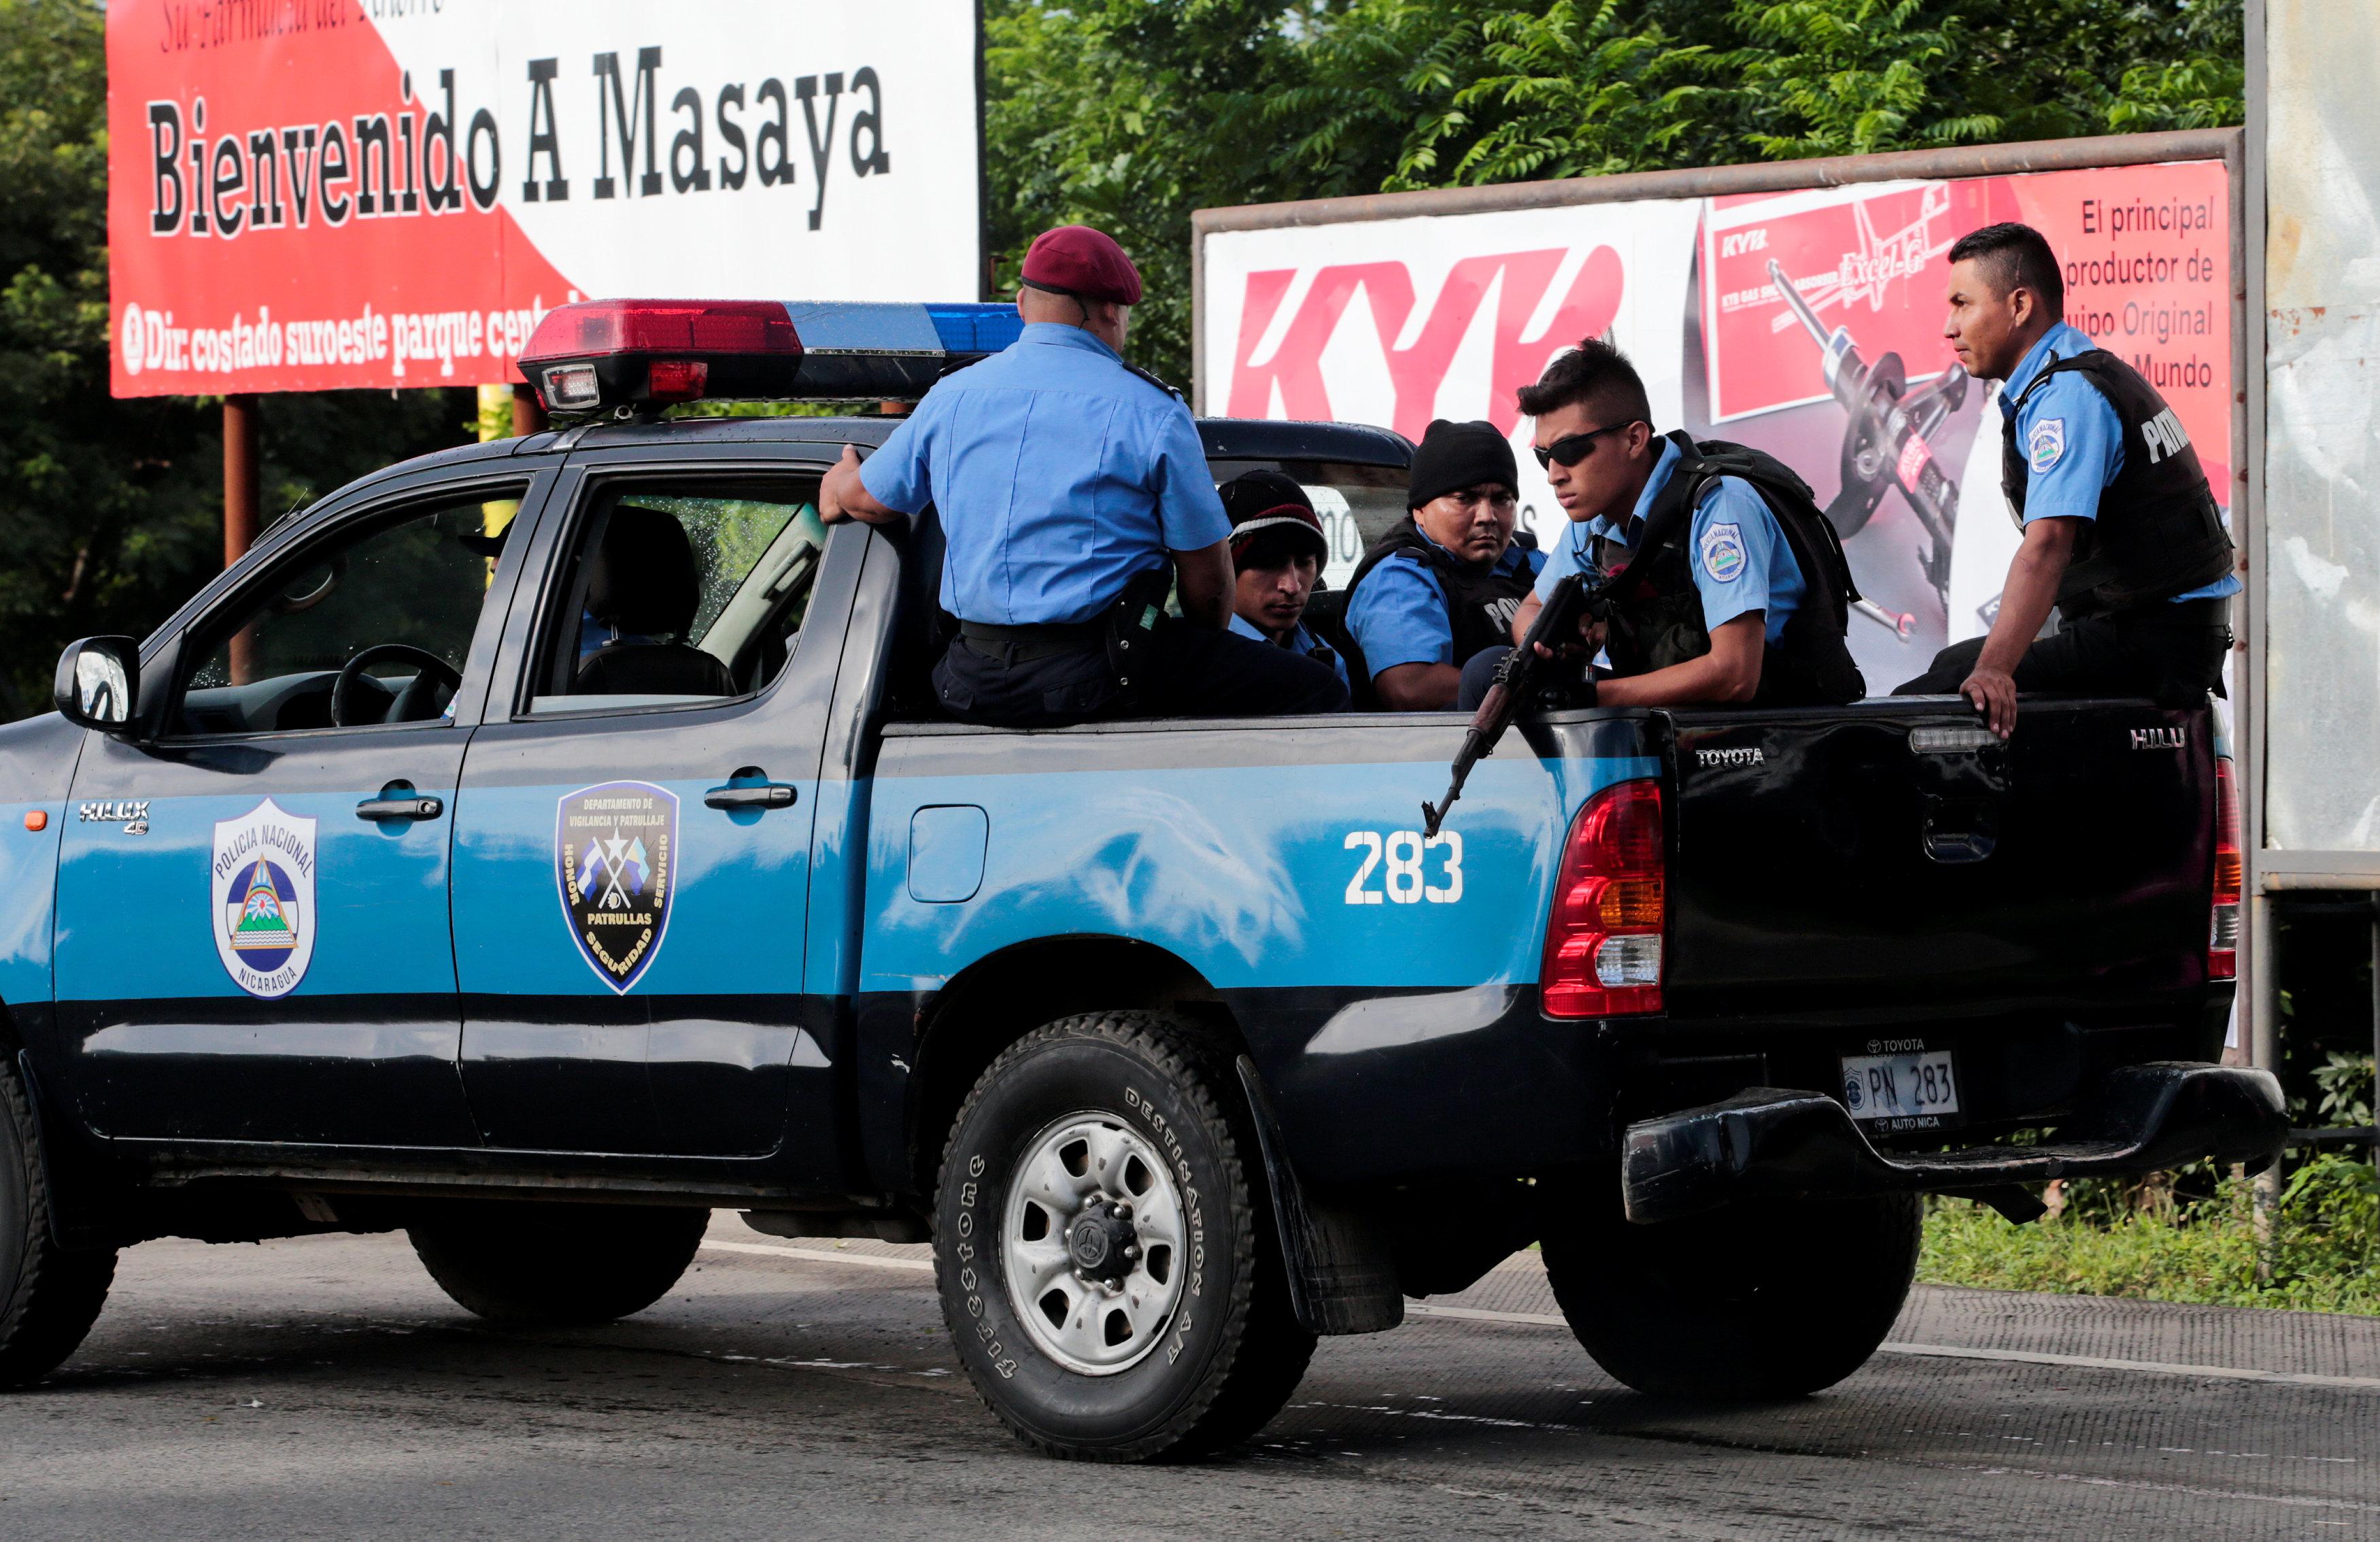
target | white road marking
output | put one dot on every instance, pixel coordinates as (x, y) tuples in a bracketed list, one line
[(822, 1255), (2307, 1501), (1549, 1319), (2163, 1368), (1955, 1352), (1538, 1319)]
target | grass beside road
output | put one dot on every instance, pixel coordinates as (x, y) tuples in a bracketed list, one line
[(2191, 1236)]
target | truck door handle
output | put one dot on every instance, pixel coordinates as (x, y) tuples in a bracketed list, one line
[(767, 794), (412, 807)]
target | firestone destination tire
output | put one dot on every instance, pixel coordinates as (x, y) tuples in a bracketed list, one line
[(1775, 1299), (1104, 1251), (49, 1296), (556, 1265)]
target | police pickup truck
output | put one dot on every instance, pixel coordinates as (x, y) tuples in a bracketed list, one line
[(540, 845)]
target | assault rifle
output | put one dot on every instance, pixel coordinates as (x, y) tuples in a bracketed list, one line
[(1519, 678)]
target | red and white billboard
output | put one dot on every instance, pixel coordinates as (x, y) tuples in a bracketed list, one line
[(314, 194), (1397, 321)]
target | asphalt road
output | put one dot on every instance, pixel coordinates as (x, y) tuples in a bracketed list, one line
[(322, 1388)]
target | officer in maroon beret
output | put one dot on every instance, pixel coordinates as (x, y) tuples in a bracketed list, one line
[(1073, 495)]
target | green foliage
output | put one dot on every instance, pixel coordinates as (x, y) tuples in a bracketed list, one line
[(2151, 1241), (1129, 113), (111, 512), (2347, 1089)]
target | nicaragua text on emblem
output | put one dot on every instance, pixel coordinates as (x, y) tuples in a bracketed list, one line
[(261, 883), (2047, 445), (616, 858), (1722, 549)]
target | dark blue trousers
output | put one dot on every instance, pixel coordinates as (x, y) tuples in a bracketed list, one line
[(1188, 671)]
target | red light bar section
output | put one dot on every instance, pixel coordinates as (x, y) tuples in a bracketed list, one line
[(614, 327)]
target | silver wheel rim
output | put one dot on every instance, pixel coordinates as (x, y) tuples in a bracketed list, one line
[(1076, 1176)]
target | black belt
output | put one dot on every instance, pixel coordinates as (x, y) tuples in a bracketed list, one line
[(2168, 612), (1043, 640)]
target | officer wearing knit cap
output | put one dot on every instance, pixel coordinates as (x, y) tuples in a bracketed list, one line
[(1278, 549), (1073, 493), (1445, 581)]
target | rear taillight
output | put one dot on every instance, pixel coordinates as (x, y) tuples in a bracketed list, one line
[(2223, 931), (1603, 942)]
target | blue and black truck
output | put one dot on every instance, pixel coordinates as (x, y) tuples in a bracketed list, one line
[(538, 845)]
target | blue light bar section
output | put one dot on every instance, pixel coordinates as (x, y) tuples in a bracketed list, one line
[(976, 328), (859, 326)]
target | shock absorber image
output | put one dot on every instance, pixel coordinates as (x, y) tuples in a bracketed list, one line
[(1887, 443)]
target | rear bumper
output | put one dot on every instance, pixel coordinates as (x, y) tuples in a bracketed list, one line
[(1765, 1143)]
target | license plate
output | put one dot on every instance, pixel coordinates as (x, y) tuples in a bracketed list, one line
[(1915, 1090)]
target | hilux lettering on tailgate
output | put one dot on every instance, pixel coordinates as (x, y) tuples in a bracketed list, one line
[(1405, 882), (2159, 739)]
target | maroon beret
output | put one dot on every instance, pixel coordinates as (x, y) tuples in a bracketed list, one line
[(1076, 260)]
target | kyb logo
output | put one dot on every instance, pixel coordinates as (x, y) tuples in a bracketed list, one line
[(1278, 364), (2159, 739), (1708, 759), (1741, 241)]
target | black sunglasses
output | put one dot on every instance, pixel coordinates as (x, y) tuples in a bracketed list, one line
[(1572, 448)]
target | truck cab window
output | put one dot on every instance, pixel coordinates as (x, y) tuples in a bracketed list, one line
[(679, 594), (369, 627)]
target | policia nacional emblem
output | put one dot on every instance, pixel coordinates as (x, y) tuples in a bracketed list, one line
[(615, 855)]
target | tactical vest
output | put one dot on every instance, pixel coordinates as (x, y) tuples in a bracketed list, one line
[(1656, 616), (2158, 533), (1480, 605)]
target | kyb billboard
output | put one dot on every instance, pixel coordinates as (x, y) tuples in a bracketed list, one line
[(1808, 323), (311, 194)]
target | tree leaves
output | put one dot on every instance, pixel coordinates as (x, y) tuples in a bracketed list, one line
[(111, 512), (1128, 114)]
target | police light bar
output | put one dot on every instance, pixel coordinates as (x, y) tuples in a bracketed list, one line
[(632, 355)]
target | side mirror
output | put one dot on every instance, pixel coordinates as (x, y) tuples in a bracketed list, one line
[(98, 680)]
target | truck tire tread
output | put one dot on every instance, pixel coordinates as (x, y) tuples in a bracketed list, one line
[(55, 1295), (556, 1265), (1263, 1352), (1774, 1299)]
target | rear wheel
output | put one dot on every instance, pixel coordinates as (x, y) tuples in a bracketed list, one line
[(49, 1296), (556, 1264), (1106, 1260), (1771, 1299)]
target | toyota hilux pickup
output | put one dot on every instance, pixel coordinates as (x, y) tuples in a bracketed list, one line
[(538, 845)]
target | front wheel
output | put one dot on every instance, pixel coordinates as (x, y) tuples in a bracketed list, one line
[(1105, 1257), (1766, 1299), (49, 1296)]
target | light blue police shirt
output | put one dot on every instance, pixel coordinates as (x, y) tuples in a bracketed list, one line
[(1300, 642), (1397, 613), (1738, 556), (2073, 443), (1058, 473)]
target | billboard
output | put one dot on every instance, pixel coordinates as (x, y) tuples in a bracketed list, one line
[(1806, 322), (314, 194)]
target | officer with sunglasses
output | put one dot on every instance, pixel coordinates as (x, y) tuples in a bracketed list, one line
[(1445, 582), (1711, 610)]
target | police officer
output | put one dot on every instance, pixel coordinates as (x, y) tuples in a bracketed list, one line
[(1072, 492), (1722, 610), (2121, 532), (1446, 580), (1278, 549)]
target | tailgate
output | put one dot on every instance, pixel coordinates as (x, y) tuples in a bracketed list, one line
[(1889, 856)]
